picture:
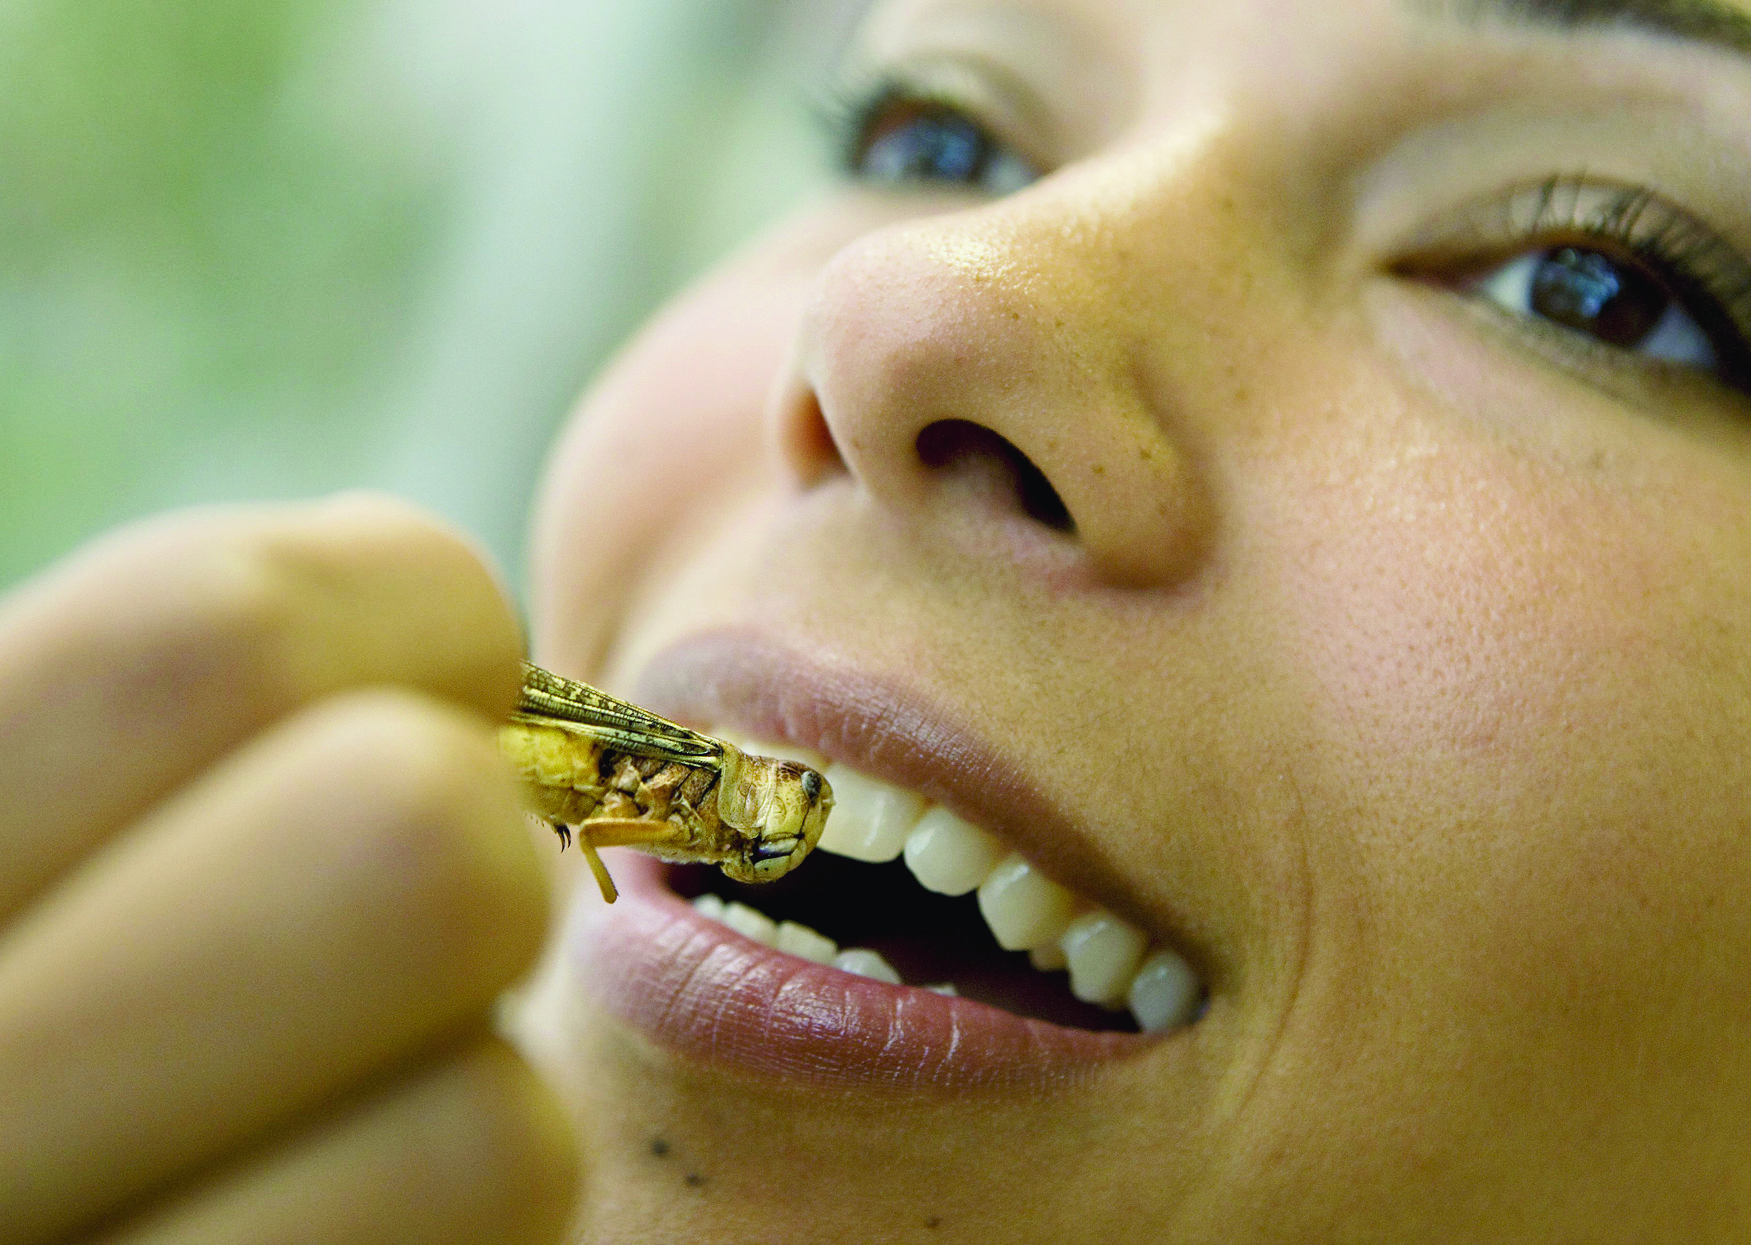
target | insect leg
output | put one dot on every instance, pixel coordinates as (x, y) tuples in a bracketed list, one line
[(603, 881), (565, 834), (620, 832), (628, 832)]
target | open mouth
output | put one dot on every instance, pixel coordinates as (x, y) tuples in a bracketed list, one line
[(905, 892), (915, 949)]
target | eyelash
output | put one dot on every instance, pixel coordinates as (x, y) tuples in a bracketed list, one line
[(1704, 274), (852, 108)]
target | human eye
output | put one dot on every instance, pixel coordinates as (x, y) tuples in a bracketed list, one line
[(890, 131), (1613, 272)]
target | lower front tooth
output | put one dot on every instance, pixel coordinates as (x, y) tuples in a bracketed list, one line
[(1164, 993), (750, 924), (800, 940), (1023, 907), (866, 963)]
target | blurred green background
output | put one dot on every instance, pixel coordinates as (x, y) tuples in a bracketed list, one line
[(274, 248)]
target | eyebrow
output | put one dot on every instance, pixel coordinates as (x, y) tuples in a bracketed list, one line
[(1713, 22)]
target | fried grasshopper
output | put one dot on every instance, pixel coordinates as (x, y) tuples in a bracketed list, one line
[(619, 776)]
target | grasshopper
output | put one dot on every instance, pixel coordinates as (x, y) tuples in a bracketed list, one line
[(620, 776)]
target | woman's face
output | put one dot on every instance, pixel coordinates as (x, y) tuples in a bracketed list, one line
[(1283, 469)]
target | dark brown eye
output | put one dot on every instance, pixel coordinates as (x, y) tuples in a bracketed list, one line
[(1597, 294), (1614, 301), (899, 139)]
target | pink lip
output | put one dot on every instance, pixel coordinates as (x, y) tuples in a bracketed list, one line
[(882, 728), (702, 990)]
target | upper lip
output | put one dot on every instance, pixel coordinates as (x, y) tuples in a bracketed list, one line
[(890, 731)]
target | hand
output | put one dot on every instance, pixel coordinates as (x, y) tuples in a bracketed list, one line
[(262, 876)]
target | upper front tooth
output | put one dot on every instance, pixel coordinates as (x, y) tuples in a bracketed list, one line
[(1048, 957), (949, 855), (1102, 952), (784, 752), (870, 819), (1164, 993), (1023, 907)]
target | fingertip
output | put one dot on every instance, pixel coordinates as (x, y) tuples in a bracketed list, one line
[(449, 852)]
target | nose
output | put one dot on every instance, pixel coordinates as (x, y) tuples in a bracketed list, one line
[(990, 358)]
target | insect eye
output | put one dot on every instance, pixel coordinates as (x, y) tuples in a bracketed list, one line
[(811, 785)]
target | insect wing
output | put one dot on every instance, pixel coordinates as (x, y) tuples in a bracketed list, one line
[(548, 699)]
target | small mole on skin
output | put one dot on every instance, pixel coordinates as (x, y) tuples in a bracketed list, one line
[(693, 1180), (659, 1148)]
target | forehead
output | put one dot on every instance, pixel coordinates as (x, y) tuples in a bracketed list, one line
[(1725, 23), (1104, 64)]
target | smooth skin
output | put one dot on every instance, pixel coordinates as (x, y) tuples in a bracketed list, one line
[(1397, 666), (264, 879)]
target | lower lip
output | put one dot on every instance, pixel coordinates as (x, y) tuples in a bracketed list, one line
[(704, 991)]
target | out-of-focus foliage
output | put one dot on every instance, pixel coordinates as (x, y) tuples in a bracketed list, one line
[(277, 248)]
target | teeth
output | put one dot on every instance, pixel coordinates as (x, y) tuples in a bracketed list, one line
[(949, 855), (801, 941), (1164, 993), (1110, 961), (751, 924), (789, 752), (866, 963), (871, 819), (1103, 953), (1049, 958), (1024, 908)]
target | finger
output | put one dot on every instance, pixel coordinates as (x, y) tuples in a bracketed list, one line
[(151, 654), (351, 884), (475, 1149)]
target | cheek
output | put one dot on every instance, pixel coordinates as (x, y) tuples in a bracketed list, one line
[(668, 441), (1527, 673), (1520, 657), (1514, 580)]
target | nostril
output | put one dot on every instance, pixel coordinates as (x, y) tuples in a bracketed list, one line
[(959, 447)]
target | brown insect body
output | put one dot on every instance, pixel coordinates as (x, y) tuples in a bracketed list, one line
[(574, 778), (621, 776)]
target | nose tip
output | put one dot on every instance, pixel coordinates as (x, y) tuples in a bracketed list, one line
[(931, 370)]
